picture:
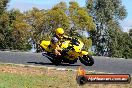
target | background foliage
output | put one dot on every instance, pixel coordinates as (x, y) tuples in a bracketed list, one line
[(100, 19)]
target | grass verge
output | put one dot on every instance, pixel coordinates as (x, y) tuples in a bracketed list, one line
[(14, 76)]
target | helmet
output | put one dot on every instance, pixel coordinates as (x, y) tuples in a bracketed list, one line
[(54, 40), (59, 32)]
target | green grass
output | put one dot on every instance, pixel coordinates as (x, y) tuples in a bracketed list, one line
[(11, 80), (8, 80)]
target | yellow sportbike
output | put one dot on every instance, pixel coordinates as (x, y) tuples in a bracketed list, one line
[(72, 50)]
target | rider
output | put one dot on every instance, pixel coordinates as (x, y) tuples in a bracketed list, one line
[(56, 40)]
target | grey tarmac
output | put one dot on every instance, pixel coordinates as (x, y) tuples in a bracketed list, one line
[(102, 64)]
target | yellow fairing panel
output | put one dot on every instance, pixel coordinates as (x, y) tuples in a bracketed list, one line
[(45, 45), (77, 49), (65, 44), (81, 44), (84, 53)]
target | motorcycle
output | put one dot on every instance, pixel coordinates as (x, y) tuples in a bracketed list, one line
[(72, 50)]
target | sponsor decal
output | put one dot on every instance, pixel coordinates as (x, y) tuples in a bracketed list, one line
[(83, 78)]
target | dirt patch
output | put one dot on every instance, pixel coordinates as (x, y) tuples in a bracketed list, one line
[(22, 70), (33, 70), (27, 70)]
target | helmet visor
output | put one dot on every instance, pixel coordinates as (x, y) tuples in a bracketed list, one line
[(61, 34)]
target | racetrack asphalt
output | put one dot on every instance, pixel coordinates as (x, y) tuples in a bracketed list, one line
[(102, 64)]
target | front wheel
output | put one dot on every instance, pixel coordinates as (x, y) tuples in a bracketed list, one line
[(87, 60)]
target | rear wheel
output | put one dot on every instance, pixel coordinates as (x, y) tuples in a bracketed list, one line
[(55, 59), (87, 60)]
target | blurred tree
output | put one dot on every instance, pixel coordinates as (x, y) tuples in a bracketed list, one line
[(3, 24), (56, 17), (35, 18), (3, 4), (20, 30), (120, 44), (87, 43), (80, 20), (105, 13), (130, 32), (61, 5), (4, 31)]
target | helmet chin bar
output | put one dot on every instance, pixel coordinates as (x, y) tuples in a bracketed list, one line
[(60, 36)]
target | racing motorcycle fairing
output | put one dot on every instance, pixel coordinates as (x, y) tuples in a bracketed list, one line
[(45, 45), (71, 52)]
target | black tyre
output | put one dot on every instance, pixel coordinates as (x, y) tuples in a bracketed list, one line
[(87, 60), (56, 60)]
